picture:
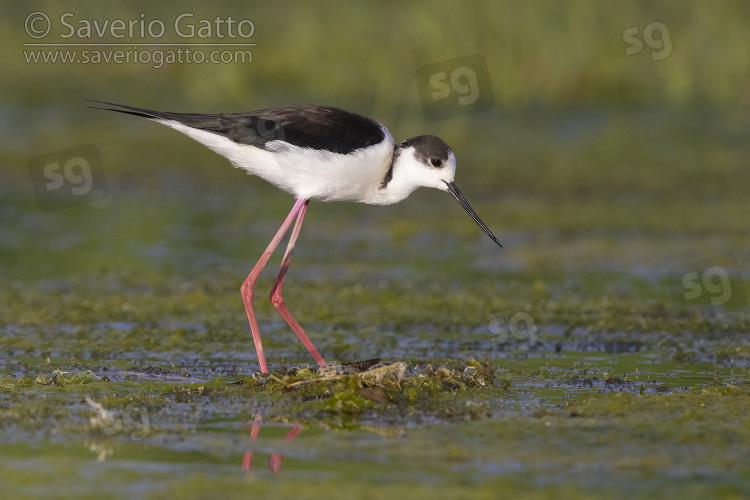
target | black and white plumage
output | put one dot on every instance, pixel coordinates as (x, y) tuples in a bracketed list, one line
[(316, 153), (320, 152)]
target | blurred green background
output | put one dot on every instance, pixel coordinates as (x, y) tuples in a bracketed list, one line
[(584, 146)]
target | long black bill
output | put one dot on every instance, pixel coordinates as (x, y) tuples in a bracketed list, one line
[(452, 189)]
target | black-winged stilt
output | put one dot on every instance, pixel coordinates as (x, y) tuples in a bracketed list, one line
[(315, 153)]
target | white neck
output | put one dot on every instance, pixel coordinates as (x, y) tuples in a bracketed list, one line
[(402, 181), (408, 174)]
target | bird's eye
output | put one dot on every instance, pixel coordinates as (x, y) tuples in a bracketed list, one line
[(436, 162)]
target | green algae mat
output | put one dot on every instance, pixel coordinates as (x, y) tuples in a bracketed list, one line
[(628, 401), (527, 380), (602, 353)]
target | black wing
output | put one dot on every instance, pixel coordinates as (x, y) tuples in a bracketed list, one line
[(308, 126)]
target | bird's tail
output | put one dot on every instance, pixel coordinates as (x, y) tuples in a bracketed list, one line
[(146, 113)]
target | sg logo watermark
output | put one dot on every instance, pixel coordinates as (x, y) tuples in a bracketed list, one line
[(131, 419), (655, 35), (68, 178), (257, 131), (453, 88), (715, 281), (520, 328)]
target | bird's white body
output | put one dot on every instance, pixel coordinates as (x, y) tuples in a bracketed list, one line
[(326, 176)]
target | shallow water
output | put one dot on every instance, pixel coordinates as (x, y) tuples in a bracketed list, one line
[(124, 339)]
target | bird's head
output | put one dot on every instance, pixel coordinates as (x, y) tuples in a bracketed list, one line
[(430, 162)]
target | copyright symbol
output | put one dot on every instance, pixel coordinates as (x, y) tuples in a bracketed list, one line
[(37, 25)]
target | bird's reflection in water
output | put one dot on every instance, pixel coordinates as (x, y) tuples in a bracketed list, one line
[(274, 460)]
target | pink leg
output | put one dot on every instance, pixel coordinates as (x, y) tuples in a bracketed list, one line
[(274, 461), (247, 458), (278, 301), (248, 286)]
